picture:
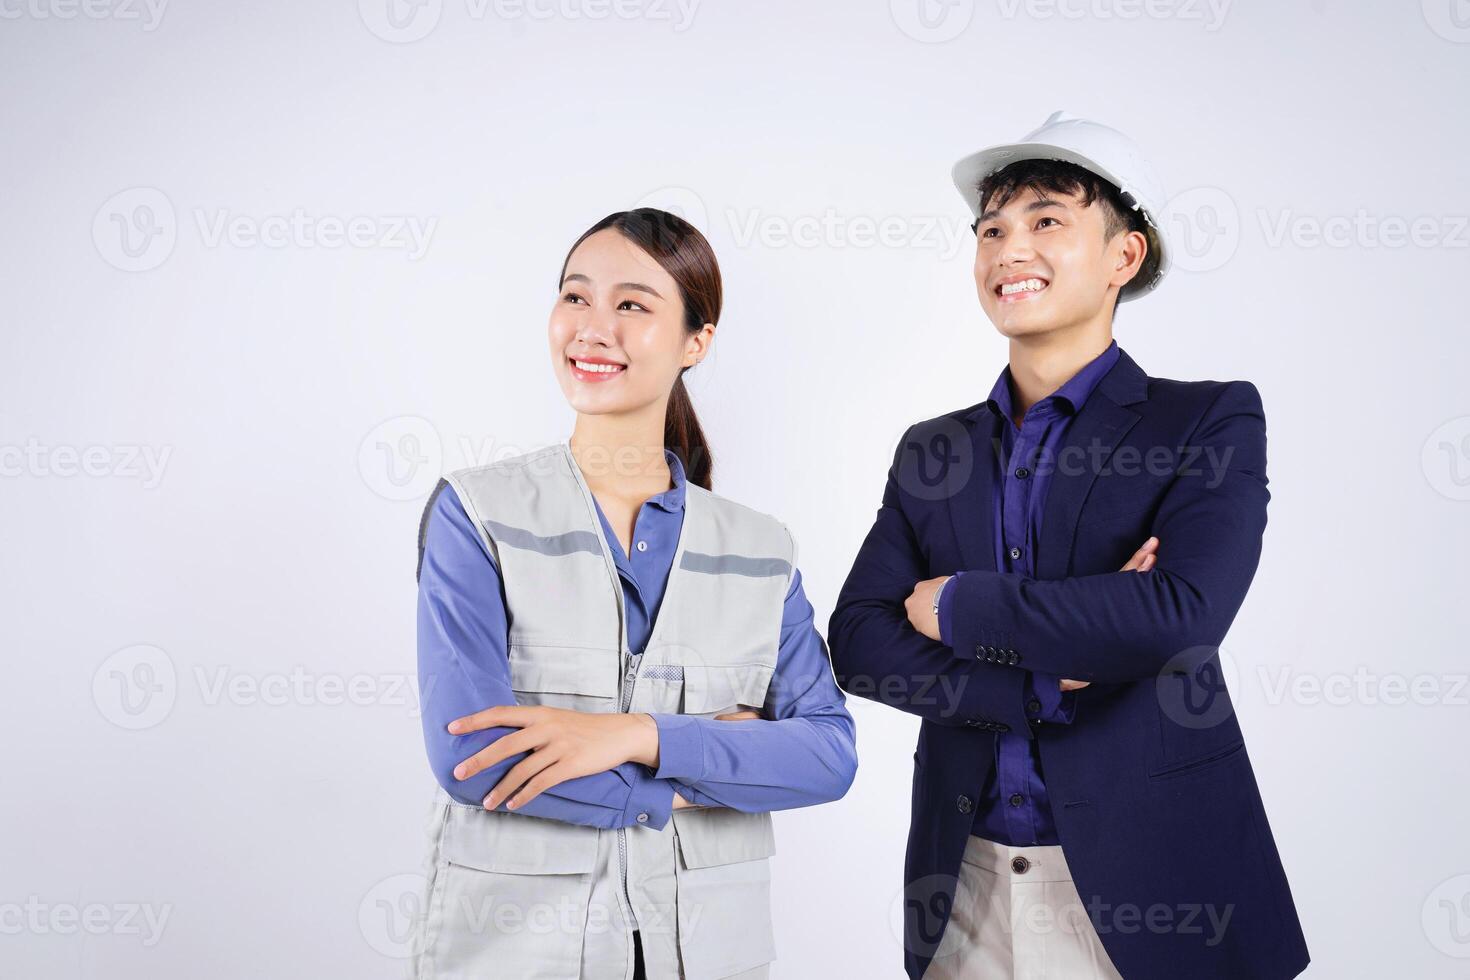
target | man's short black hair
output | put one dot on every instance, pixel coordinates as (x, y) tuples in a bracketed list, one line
[(1061, 177)]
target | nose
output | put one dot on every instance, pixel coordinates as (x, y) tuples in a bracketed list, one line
[(1017, 248), (593, 330)]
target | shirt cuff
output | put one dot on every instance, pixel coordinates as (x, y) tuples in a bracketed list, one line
[(680, 747), (650, 802), (946, 604), (1046, 701)]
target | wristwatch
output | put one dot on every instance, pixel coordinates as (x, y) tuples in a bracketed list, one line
[(940, 591)]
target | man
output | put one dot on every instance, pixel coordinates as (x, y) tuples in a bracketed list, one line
[(1047, 584)]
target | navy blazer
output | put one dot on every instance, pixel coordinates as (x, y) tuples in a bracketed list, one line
[(1155, 801)]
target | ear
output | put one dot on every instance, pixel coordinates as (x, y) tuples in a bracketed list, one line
[(1130, 258), (697, 345)]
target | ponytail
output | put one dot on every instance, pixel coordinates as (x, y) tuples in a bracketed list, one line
[(685, 438)]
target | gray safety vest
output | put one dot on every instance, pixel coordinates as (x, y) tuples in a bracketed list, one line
[(516, 896)]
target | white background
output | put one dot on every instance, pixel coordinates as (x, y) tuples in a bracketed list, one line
[(302, 398)]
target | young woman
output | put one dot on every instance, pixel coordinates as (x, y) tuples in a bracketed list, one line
[(619, 669)]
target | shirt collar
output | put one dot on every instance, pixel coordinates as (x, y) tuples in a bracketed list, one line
[(672, 499), (1073, 392)]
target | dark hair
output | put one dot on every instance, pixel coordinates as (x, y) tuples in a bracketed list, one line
[(684, 254), (1061, 177)]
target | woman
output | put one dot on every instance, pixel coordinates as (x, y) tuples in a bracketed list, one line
[(619, 669)]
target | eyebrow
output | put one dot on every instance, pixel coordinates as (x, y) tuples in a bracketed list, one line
[(638, 286), (1036, 205)]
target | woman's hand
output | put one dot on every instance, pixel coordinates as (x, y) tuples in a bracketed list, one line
[(1143, 559), (563, 744)]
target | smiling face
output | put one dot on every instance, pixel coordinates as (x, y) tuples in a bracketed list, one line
[(1043, 263), (617, 332)]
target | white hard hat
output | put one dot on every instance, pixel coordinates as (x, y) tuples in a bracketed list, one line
[(1098, 148)]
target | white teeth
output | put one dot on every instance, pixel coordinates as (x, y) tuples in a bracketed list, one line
[(597, 368), (1024, 286)]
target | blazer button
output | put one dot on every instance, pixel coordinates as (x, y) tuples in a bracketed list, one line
[(1020, 865), (1033, 706), (964, 805), (1017, 799), (1014, 656)]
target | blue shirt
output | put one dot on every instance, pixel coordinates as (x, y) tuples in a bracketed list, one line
[(801, 752), (1014, 808)]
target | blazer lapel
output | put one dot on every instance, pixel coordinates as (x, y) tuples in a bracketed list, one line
[(1096, 431), (970, 505)]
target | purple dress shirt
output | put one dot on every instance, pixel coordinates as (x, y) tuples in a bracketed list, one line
[(1013, 808)]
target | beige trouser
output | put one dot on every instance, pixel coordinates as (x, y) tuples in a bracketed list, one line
[(1018, 915)]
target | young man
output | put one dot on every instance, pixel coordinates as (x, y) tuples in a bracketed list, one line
[(1047, 584)]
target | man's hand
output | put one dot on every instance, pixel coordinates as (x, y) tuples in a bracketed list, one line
[(920, 603), (1143, 559), (920, 607)]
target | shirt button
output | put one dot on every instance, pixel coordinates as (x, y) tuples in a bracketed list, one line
[(1017, 799), (1033, 706), (642, 545), (1020, 865), (1022, 472), (1015, 553), (643, 818)]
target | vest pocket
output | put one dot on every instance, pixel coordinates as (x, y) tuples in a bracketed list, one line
[(578, 678), (511, 898), (723, 877), (711, 689)]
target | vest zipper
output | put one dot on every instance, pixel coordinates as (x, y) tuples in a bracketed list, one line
[(625, 702)]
